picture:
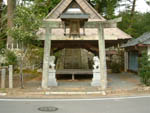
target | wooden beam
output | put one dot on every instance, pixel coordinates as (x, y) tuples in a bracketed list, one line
[(90, 24), (52, 24), (116, 20)]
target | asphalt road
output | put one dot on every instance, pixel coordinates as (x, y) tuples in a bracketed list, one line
[(102, 105)]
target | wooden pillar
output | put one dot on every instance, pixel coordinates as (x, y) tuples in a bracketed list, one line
[(125, 61), (10, 76), (102, 55), (47, 48)]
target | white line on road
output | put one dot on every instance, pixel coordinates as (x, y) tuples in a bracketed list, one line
[(67, 100)]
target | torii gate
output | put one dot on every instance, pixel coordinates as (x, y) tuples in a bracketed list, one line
[(50, 24)]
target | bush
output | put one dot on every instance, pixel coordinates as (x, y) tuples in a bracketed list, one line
[(115, 67), (11, 58), (144, 69)]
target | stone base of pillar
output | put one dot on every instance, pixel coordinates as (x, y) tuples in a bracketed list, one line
[(96, 78), (52, 78), (103, 84)]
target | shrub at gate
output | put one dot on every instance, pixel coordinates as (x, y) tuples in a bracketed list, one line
[(144, 68)]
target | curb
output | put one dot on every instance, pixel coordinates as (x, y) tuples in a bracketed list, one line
[(3, 94), (75, 93), (102, 92)]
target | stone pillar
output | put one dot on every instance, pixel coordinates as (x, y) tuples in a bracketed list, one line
[(10, 76), (52, 72), (96, 72), (3, 75), (125, 61), (52, 78), (96, 78), (102, 55), (47, 46)]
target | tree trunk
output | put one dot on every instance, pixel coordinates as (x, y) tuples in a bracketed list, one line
[(132, 13), (10, 11), (133, 8), (21, 73), (1, 3)]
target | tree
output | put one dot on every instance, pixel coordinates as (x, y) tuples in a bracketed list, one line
[(26, 24), (3, 26), (1, 4), (144, 70), (139, 26), (26, 21), (105, 7), (148, 2), (11, 5), (132, 14)]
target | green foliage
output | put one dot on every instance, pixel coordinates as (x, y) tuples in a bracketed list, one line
[(117, 64), (3, 28), (115, 67), (140, 24), (28, 18), (105, 7), (26, 23), (43, 7), (11, 58), (35, 56), (144, 70)]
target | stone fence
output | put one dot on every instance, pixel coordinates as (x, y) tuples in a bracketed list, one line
[(3, 76)]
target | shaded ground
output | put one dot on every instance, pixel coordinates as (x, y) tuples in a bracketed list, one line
[(123, 81)]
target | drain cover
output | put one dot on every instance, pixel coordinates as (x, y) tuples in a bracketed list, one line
[(48, 109)]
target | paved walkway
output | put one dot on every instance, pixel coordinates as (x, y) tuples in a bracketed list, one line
[(123, 81), (115, 81), (123, 84)]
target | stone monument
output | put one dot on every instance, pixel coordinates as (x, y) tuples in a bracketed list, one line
[(52, 72), (96, 72)]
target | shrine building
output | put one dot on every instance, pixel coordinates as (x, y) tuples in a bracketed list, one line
[(75, 25)]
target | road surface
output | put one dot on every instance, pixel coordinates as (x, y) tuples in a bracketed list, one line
[(101, 105)]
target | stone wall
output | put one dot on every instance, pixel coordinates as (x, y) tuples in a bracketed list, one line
[(73, 59)]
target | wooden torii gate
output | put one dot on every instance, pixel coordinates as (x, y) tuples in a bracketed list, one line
[(50, 24)]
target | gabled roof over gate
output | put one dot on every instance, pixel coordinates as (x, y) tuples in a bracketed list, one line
[(91, 34), (61, 7)]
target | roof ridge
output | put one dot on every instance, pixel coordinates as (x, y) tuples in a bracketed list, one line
[(94, 10), (63, 4), (55, 8)]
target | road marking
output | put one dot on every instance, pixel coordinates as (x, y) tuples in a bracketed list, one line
[(67, 100)]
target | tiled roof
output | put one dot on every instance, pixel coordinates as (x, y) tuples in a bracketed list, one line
[(91, 34), (143, 39)]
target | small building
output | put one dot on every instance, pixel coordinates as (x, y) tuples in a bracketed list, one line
[(133, 49), (75, 24)]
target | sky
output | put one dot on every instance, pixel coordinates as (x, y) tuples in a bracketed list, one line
[(141, 6)]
